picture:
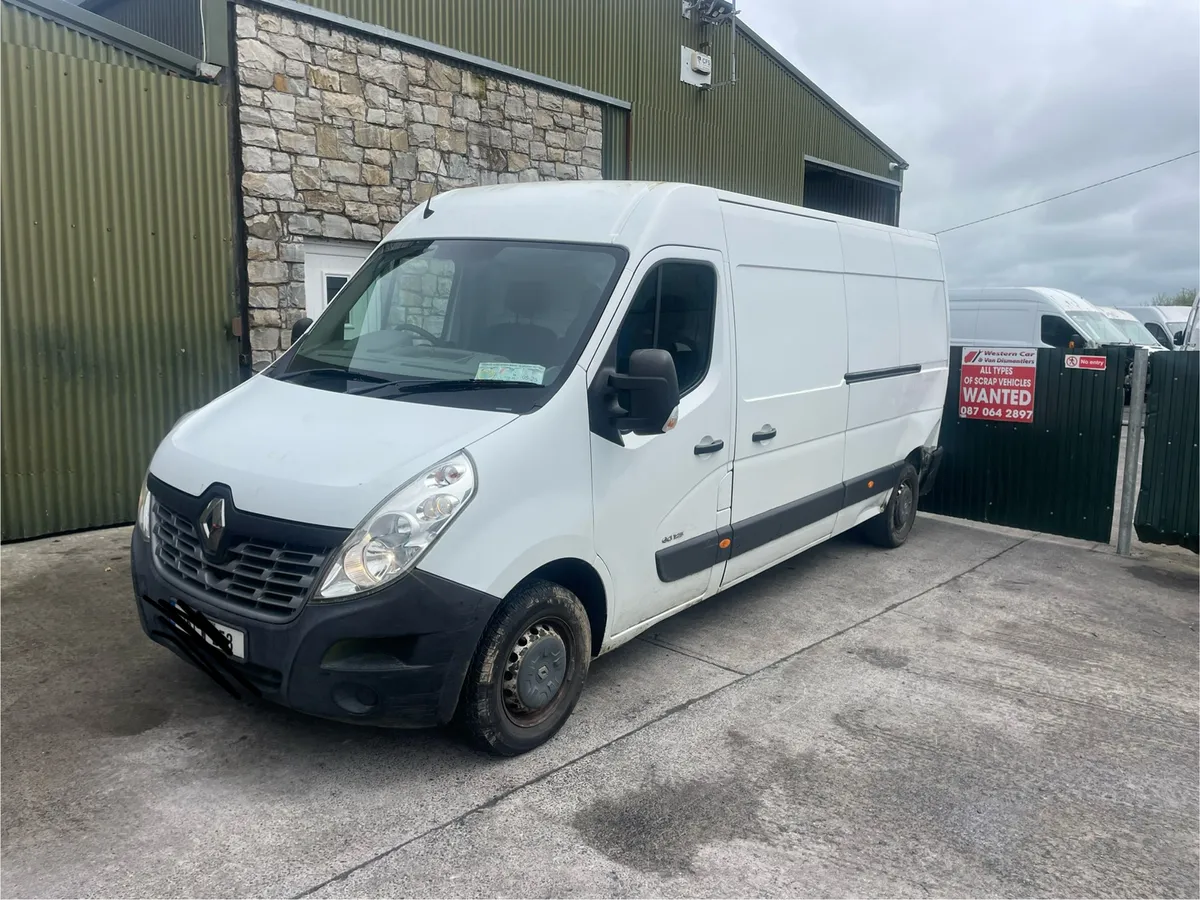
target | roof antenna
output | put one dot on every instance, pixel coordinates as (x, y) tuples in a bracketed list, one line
[(428, 209)]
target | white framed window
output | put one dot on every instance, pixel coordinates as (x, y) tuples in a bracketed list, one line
[(328, 265)]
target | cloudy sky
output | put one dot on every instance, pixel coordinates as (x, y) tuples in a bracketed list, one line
[(997, 103)]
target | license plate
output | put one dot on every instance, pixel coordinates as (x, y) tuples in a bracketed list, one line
[(237, 639)]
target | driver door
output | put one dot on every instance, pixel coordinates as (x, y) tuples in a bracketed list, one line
[(657, 498)]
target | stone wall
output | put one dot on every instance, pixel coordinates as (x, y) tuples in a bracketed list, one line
[(343, 135)]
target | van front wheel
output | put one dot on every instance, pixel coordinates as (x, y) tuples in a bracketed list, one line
[(891, 527), (528, 671)]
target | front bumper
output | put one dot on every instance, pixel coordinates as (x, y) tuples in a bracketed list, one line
[(931, 460), (397, 657)]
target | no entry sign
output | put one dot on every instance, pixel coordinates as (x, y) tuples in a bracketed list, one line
[(997, 384), (1091, 363)]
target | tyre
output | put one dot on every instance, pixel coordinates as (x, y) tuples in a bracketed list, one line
[(891, 527), (528, 671)]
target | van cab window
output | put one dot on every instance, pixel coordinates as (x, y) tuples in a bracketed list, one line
[(673, 310), (1057, 332), (425, 320), (1159, 334)]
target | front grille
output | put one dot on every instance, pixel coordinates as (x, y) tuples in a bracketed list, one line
[(261, 578)]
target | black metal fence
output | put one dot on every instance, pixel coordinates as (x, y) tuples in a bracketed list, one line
[(1168, 505), (1055, 474)]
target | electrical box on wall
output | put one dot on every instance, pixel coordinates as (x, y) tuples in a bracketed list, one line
[(695, 68)]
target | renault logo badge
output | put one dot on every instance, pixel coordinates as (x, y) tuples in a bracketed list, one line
[(212, 525)]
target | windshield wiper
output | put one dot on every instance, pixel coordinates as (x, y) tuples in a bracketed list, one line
[(330, 370), (435, 385)]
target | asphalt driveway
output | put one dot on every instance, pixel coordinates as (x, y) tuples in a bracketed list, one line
[(977, 713)]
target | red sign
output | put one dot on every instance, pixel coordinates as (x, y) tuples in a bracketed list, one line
[(1091, 363), (997, 384)]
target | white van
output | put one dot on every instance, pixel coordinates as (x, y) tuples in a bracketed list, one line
[(1164, 322), (1028, 317), (539, 419)]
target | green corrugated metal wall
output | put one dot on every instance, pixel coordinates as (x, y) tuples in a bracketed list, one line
[(614, 157), (116, 284), (1168, 508), (751, 137), (27, 29)]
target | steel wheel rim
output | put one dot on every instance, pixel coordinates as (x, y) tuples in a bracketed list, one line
[(530, 663)]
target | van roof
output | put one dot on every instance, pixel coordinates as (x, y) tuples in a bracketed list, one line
[(581, 211), (1061, 299), (1166, 313)]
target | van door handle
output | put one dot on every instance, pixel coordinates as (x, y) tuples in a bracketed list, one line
[(708, 446), (763, 434)]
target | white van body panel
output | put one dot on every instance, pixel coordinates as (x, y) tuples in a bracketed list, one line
[(831, 331), (818, 298), (309, 455), (786, 269), (532, 505)]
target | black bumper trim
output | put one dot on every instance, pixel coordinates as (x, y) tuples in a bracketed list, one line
[(429, 625)]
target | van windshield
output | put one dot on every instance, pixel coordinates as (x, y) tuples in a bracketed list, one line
[(1095, 326), (428, 319), (1135, 332)]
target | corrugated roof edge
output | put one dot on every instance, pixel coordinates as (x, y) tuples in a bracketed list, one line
[(479, 62), (72, 16), (766, 48)]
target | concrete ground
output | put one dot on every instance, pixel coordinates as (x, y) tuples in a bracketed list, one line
[(979, 713)]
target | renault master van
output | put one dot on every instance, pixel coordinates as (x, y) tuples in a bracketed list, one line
[(1028, 317), (538, 420)]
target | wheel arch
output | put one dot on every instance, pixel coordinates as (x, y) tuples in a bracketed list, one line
[(582, 580)]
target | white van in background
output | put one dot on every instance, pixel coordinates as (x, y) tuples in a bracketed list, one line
[(1133, 330), (1028, 317), (562, 413), (1164, 322)]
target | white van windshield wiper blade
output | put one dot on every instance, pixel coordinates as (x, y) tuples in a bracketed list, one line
[(435, 385), (332, 371)]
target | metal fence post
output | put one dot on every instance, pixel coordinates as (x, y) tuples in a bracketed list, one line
[(1133, 449)]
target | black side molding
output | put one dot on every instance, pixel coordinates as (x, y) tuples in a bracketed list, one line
[(705, 551), (876, 374), (752, 533), (692, 556), (859, 489)]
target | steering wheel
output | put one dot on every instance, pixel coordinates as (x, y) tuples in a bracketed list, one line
[(417, 329)]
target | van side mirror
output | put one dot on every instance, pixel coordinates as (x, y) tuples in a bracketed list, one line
[(1178, 339), (653, 392), (300, 327)]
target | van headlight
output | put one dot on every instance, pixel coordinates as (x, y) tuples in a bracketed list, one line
[(395, 535), (143, 511)]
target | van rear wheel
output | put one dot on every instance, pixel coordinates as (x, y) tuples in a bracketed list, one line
[(892, 526), (528, 671)]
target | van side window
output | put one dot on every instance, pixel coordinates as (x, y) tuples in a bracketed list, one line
[(1160, 335), (673, 310), (1057, 332)]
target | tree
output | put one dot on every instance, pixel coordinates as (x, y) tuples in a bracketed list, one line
[(1183, 297)]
